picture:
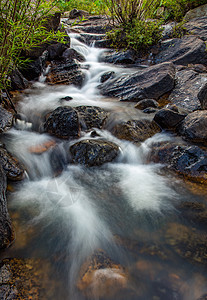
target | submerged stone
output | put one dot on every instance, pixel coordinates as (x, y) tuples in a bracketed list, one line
[(135, 130)]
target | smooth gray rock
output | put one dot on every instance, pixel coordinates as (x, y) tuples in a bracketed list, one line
[(198, 27), (194, 127), (184, 51), (187, 87), (152, 82)]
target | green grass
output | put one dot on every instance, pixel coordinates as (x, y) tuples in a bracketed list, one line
[(93, 7)]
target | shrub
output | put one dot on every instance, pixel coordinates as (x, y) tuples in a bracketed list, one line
[(140, 35), (21, 28)]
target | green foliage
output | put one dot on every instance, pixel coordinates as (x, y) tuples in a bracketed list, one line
[(125, 12), (93, 7), (138, 36), (133, 30), (176, 9), (22, 27)]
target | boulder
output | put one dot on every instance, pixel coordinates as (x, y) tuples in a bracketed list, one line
[(36, 67), (135, 130), (184, 51), (11, 166), (107, 75), (91, 117), (56, 50), (145, 103), (18, 82), (66, 73), (52, 22), (90, 38), (152, 82), (198, 27), (188, 161), (70, 54), (92, 153), (168, 119), (194, 127), (120, 57), (63, 122), (5, 119), (187, 87), (198, 12), (202, 96), (6, 233)]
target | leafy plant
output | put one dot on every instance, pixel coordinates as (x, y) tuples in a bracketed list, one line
[(93, 7), (22, 27), (138, 36)]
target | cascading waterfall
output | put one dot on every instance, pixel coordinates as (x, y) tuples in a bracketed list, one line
[(78, 206)]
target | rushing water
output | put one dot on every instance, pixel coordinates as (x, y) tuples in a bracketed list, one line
[(122, 207)]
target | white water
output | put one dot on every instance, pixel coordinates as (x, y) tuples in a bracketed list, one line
[(69, 200)]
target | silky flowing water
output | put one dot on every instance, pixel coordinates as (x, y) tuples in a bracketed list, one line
[(126, 209)]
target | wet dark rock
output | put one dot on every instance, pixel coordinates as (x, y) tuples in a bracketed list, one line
[(53, 21), (93, 152), (104, 43), (63, 122), (135, 130), (202, 96), (120, 57), (12, 167), (95, 28), (90, 38), (66, 73), (187, 243), (189, 161), (91, 117), (168, 119), (145, 103), (56, 50), (67, 98), (70, 54), (187, 87), (5, 119), (152, 82), (150, 110), (36, 67), (18, 82), (6, 233), (198, 27), (184, 51), (194, 127), (107, 75)]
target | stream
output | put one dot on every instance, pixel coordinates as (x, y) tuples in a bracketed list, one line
[(126, 212)]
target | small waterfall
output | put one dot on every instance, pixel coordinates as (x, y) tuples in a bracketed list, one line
[(77, 207)]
